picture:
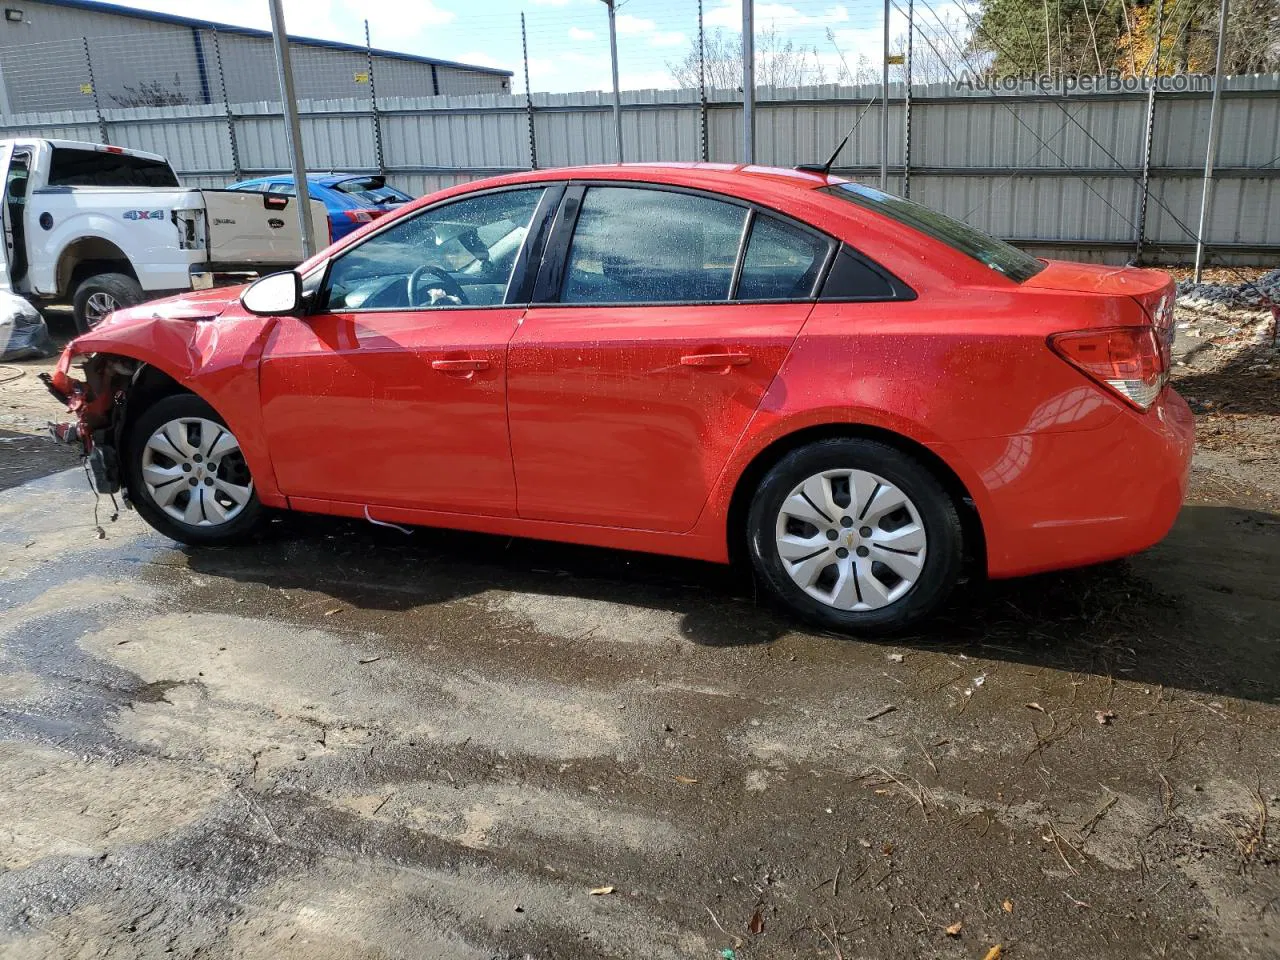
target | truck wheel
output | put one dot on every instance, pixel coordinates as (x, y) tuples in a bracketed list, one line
[(98, 295)]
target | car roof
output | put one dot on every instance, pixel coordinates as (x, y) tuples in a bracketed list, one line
[(703, 174), (324, 179)]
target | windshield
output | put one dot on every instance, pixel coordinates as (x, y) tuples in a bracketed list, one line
[(999, 256), (371, 190)]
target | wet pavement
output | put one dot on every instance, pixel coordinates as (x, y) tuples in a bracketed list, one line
[(342, 742)]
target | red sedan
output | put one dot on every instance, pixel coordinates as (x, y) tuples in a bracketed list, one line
[(861, 393)]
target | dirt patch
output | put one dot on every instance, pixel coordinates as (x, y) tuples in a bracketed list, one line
[(57, 805)]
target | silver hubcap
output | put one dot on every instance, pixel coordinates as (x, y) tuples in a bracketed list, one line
[(98, 306), (194, 471), (851, 540)]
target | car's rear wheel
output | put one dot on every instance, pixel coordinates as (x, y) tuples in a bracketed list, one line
[(187, 475), (855, 535)]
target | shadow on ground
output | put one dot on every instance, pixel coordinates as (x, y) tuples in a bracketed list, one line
[(1236, 387), (1198, 612), (24, 457)]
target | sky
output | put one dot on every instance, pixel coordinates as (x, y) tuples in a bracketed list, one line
[(568, 39)]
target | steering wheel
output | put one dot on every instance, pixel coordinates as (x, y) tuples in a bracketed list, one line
[(442, 282)]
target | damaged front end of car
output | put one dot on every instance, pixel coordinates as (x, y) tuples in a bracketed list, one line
[(99, 403)]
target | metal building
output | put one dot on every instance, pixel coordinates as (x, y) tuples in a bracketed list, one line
[(82, 54)]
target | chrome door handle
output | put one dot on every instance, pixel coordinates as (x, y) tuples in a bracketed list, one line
[(715, 359), (459, 366)]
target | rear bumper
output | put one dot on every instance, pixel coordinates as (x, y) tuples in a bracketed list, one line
[(1062, 500)]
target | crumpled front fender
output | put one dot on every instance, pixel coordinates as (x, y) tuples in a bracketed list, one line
[(216, 359)]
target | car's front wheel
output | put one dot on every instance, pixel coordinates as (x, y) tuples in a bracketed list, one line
[(187, 475), (855, 535)]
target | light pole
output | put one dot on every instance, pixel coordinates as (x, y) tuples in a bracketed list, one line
[(613, 58), (293, 129), (1212, 151), (748, 83), (884, 107)]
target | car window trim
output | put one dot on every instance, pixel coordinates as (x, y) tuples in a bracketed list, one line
[(548, 289), (523, 260), (899, 290)]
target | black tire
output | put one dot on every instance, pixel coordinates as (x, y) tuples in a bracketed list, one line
[(184, 405), (937, 514), (118, 287)]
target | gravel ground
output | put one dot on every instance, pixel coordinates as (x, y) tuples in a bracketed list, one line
[(341, 742)]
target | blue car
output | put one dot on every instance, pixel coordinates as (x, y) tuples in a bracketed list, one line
[(352, 199)]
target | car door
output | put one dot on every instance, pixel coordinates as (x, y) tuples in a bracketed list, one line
[(8, 254), (660, 319), (393, 391)]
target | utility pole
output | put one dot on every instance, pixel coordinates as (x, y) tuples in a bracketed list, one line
[(906, 104), (1212, 151), (884, 107), (613, 57), (293, 129), (748, 83)]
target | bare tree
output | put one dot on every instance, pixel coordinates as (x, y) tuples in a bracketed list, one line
[(780, 62), (152, 93)]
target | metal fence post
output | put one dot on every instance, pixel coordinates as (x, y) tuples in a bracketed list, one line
[(884, 106), (1212, 149), (373, 106), (906, 104), (528, 97), (702, 89), (93, 88), (748, 83), (1145, 189), (292, 127), (613, 59), (226, 106)]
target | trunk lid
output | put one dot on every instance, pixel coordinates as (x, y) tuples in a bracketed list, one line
[(1152, 290), (1068, 276)]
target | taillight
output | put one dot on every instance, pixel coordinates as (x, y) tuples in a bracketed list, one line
[(360, 216), (1126, 360)]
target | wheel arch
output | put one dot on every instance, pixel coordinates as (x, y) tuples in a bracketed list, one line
[(151, 381), (764, 460), (86, 256)]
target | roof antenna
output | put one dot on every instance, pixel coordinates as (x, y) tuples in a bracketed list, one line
[(825, 169)]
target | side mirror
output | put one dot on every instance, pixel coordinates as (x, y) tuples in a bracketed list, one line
[(278, 294)]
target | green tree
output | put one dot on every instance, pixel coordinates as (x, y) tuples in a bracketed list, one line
[(1092, 36)]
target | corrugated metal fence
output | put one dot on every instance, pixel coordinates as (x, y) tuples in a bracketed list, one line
[(1061, 172)]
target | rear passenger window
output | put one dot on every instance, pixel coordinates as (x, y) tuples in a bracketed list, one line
[(853, 279), (782, 261), (637, 245)]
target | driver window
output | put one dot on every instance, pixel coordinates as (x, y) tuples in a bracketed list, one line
[(459, 254)]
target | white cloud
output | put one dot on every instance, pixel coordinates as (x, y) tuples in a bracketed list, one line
[(672, 38), (392, 22), (630, 26), (577, 33), (729, 16)]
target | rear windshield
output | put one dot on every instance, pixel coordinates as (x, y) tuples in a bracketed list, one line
[(371, 190), (996, 254), (95, 168)]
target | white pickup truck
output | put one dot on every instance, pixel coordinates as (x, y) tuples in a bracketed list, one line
[(104, 227)]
